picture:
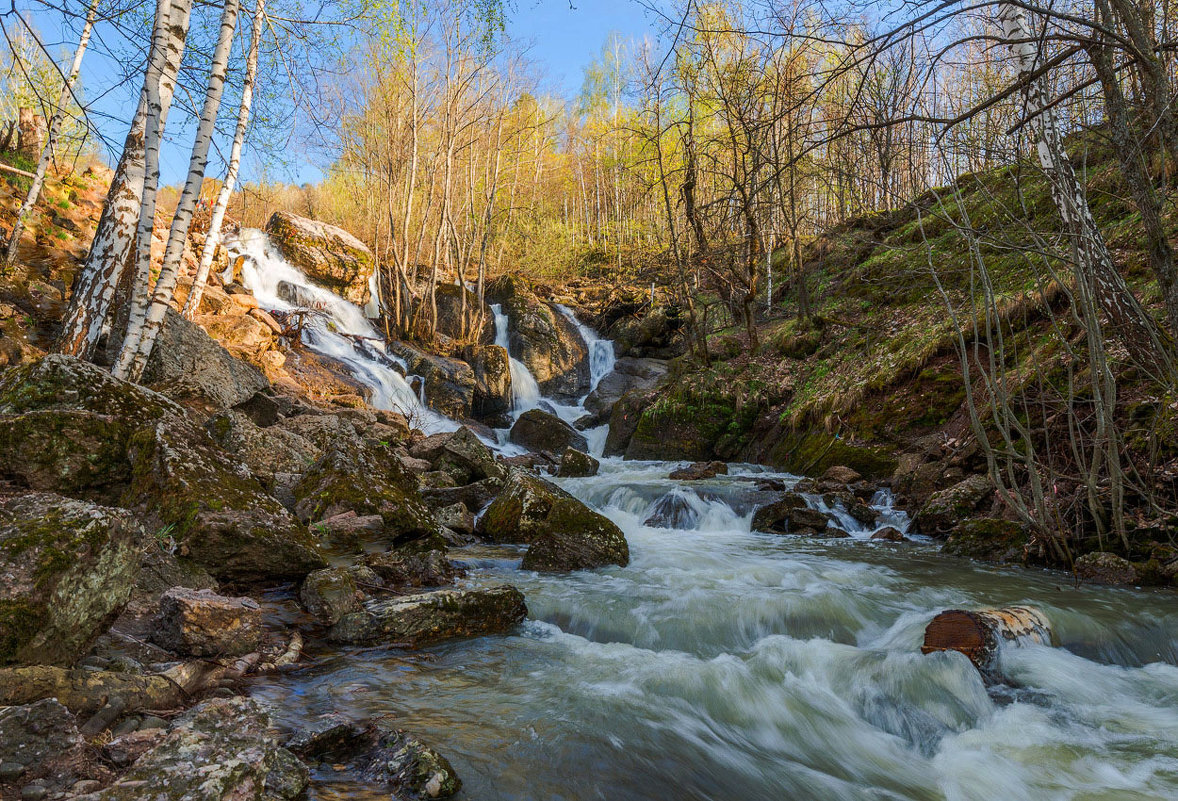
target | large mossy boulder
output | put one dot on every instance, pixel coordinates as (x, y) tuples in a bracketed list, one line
[(449, 383), (453, 303), (989, 540), (65, 425), (658, 334), (66, 568), (542, 432), (460, 454), (415, 621), (187, 364), (214, 507), (953, 505), (220, 750), (367, 479), (492, 382), (623, 420), (544, 339), (563, 533), (328, 255)]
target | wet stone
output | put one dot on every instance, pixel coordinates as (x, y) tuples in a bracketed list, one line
[(203, 623)]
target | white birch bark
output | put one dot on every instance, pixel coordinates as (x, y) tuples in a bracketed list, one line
[(142, 331), (149, 306), (67, 89), (1094, 267), (114, 240), (213, 238)]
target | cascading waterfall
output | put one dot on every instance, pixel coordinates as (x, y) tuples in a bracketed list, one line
[(602, 357), (340, 329), (725, 663), (525, 392)]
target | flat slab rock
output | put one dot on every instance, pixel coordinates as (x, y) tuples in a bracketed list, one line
[(414, 621)]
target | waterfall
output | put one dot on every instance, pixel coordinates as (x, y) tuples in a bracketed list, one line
[(525, 392), (601, 351), (338, 329)]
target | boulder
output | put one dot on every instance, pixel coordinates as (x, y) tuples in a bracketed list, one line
[(460, 454), (989, 540), (804, 520), (36, 734), (672, 511), (214, 507), (409, 768), (331, 593), (187, 364), (449, 383), (540, 431), (628, 375), (330, 736), (480, 323), (241, 335), (66, 569), (367, 479), (350, 530), (457, 517), (544, 339), (414, 621), (492, 381), (328, 255), (221, 749), (947, 508), (624, 419), (841, 474), (1103, 567), (889, 534), (400, 570), (203, 623), (474, 496), (657, 335), (577, 464), (266, 451), (774, 517), (699, 471)]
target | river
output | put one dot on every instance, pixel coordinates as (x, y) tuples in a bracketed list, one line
[(730, 665)]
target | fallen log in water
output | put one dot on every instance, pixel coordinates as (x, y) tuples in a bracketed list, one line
[(980, 635)]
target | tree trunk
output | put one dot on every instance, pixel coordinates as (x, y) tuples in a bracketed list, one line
[(213, 238), (63, 97), (980, 635)]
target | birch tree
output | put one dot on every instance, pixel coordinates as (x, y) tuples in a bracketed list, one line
[(145, 321), (114, 240), (213, 237), (55, 123)]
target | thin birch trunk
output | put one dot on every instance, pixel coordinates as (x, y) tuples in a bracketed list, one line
[(213, 238), (146, 320), (67, 90)]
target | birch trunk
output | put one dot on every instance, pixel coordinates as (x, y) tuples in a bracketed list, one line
[(114, 239), (145, 320), (67, 90), (1145, 340), (213, 238)]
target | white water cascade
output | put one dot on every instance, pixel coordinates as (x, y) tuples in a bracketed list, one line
[(601, 351), (342, 332), (525, 392)]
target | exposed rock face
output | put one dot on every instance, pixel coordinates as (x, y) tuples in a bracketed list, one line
[(450, 300), (417, 620), (203, 623), (564, 533), (545, 340), (66, 567), (577, 464), (220, 750), (624, 419), (492, 381), (367, 480), (188, 364), (540, 431), (988, 539), (449, 383), (1105, 568), (629, 375), (947, 508), (328, 255), (215, 508), (460, 454)]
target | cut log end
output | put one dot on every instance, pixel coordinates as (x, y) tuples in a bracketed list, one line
[(979, 635)]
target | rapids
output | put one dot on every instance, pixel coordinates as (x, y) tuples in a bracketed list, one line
[(731, 665)]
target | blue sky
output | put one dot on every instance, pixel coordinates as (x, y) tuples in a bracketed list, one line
[(563, 37)]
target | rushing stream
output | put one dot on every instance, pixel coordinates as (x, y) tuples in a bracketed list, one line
[(727, 664)]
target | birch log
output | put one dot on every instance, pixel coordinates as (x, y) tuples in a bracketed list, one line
[(980, 635)]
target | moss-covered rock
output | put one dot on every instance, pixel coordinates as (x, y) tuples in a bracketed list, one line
[(328, 255), (214, 507), (66, 567), (989, 540), (577, 464), (414, 621), (333, 592), (367, 480), (460, 454), (449, 383), (266, 451), (491, 365), (814, 452), (1103, 567), (563, 533), (541, 432), (951, 506), (451, 299), (624, 419)]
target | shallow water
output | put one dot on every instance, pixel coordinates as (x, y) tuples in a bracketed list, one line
[(726, 664)]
